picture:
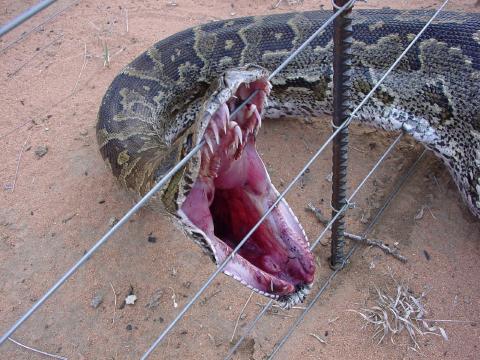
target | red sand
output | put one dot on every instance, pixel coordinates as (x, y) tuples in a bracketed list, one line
[(62, 203)]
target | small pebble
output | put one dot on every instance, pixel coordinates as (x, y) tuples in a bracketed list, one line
[(96, 301), (324, 241), (427, 255), (130, 299), (151, 239), (112, 221), (329, 177), (129, 327), (41, 151), (84, 132)]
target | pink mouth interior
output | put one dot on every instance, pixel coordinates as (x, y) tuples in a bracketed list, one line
[(233, 191)]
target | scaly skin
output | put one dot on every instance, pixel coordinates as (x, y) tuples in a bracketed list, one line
[(148, 118)]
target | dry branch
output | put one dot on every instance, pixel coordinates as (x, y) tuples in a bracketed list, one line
[(371, 242)]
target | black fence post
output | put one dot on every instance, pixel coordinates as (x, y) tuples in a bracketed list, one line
[(342, 42)]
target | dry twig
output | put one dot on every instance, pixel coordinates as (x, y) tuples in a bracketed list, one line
[(18, 162), (392, 314), (106, 55), (330, 321), (318, 338), (85, 59), (371, 242), (114, 303), (240, 315), (37, 351)]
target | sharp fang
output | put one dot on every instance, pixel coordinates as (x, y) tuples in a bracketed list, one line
[(259, 118), (224, 122), (271, 285), (251, 110), (209, 143), (215, 132), (238, 133), (232, 124)]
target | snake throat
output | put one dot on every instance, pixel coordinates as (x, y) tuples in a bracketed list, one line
[(232, 192)]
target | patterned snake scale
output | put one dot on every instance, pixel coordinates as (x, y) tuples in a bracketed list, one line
[(146, 122)]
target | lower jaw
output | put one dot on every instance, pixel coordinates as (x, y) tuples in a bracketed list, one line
[(282, 287)]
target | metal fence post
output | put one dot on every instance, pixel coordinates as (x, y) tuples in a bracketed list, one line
[(342, 41)]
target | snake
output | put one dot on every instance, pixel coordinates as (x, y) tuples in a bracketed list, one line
[(188, 88)]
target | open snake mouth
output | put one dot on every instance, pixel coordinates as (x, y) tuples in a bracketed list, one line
[(232, 192)]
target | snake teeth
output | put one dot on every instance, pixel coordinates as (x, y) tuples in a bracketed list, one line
[(209, 142), (215, 132), (238, 134), (251, 110), (224, 121)]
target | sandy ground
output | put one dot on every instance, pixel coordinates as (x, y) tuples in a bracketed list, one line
[(54, 207)]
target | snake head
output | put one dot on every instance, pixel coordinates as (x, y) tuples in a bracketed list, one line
[(227, 190)]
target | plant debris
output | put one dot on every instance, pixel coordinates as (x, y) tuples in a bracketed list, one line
[(362, 239), (155, 299), (393, 314)]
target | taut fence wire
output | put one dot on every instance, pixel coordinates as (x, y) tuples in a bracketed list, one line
[(27, 14), (345, 207), (183, 162), (156, 188)]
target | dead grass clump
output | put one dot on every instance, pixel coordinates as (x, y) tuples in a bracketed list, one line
[(403, 311)]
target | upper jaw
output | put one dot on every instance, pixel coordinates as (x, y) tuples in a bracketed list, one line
[(235, 83)]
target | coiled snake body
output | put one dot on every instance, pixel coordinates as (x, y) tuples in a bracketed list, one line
[(184, 88)]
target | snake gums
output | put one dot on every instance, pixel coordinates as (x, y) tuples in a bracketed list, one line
[(184, 88)]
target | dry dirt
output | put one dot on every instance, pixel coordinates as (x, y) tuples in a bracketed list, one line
[(56, 206)]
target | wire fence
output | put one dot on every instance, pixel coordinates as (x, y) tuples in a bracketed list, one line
[(178, 166), (315, 243), (389, 199), (308, 164), (27, 14), (342, 210), (156, 188)]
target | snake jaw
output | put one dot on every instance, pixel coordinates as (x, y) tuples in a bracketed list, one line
[(232, 192)]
